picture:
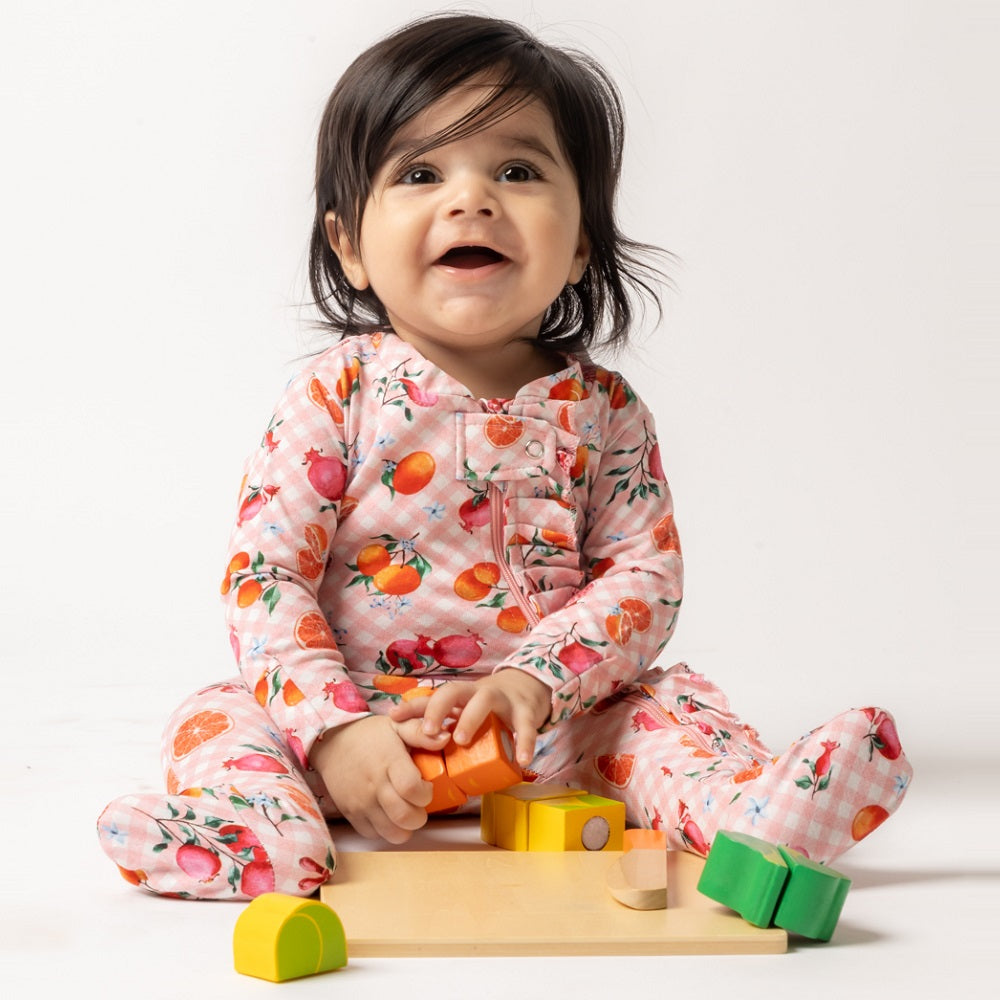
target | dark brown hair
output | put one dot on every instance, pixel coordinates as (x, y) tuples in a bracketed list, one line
[(397, 78)]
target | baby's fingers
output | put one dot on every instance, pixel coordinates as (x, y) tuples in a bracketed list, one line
[(412, 791), (445, 703), (411, 732), (525, 735)]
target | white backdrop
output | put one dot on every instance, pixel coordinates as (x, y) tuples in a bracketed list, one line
[(821, 379)]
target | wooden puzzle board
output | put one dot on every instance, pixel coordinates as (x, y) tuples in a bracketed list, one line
[(491, 902)]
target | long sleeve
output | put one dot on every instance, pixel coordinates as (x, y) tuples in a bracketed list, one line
[(291, 501), (616, 624)]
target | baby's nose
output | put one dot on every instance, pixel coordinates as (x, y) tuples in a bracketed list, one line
[(471, 195)]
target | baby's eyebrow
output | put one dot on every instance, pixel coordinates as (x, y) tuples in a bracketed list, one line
[(532, 142)]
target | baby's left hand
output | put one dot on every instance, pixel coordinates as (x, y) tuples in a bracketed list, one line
[(520, 701)]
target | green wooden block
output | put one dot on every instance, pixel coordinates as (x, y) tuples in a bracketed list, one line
[(813, 897), (746, 874)]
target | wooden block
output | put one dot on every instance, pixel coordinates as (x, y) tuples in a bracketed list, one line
[(638, 879), (503, 816), (636, 839), (487, 764), (813, 898), (772, 885), (746, 874), (488, 902), (446, 794), (577, 823), (279, 937)]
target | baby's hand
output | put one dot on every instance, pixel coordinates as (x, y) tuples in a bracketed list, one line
[(520, 701), (371, 777)]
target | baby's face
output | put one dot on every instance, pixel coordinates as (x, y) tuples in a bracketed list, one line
[(468, 245)]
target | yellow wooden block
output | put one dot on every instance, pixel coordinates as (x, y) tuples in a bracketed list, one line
[(503, 817), (580, 823), (279, 937)]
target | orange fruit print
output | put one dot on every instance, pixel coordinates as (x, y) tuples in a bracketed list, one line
[(393, 683), (867, 820), (616, 768), (308, 565), (198, 729), (318, 396), (372, 558), (309, 560), (312, 632), (619, 627), (316, 538), (502, 430), (639, 611), (397, 580), (565, 417), (569, 388), (512, 619), (413, 472), (469, 587), (665, 535)]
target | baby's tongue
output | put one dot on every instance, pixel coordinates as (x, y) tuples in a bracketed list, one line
[(470, 257)]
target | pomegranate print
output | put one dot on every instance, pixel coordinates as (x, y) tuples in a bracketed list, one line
[(238, 838), (475, 512), (255, 501), (346, 696), (578, 658), (694, 839), (327, 475), (458, 651), (256, 762), (298, 750), (198, 862), (821, 770), (422, 397), (257, 878), (882, 736), (407, 655)]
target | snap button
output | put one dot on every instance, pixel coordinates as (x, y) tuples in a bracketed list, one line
[(535, 449)]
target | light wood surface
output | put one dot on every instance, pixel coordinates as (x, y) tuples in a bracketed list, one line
[(495, 902), (638, 879)]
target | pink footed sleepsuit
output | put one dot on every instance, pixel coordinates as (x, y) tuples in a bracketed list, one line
[(394, 531)]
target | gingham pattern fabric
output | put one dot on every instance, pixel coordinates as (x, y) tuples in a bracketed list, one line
[(241, 819), (393, 531), (671, 748)]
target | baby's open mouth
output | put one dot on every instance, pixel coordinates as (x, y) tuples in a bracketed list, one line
[(470, 257)]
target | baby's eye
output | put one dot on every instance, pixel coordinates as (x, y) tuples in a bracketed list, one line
[(419, 175), (516, 173)]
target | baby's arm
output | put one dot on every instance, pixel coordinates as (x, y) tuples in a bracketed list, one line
[(287, 522)]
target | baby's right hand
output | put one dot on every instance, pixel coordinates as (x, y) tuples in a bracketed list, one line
[(371, 777)]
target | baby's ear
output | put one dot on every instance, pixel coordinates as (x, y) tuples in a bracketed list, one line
[(350, 259), (581, 258)]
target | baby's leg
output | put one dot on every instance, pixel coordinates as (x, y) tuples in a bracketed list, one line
[(827, 792), (671, 749), (239, 818)]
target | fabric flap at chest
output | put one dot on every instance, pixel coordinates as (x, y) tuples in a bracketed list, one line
[(501, 447)]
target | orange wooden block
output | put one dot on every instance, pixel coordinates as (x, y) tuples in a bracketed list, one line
[(487, 764), (644, 840), (447, 795)]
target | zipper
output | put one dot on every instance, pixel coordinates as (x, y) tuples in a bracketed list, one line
[(500, 553)]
